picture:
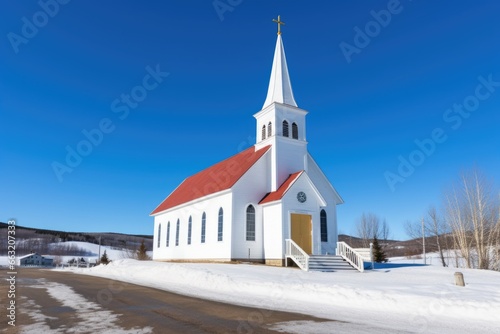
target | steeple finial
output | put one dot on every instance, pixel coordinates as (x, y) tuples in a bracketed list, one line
[(279, 22)]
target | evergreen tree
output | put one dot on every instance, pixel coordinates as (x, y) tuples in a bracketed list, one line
[(104, 258), (378, 253), (142, 254)]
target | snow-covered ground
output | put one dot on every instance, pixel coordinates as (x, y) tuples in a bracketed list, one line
[(401, 296), (111, 252)]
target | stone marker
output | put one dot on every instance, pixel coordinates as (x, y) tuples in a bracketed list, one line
[(459, 279)]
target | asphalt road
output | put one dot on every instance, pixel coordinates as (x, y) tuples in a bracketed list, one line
[(62, 302)]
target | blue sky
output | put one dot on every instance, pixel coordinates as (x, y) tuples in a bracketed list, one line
[(375, 76)]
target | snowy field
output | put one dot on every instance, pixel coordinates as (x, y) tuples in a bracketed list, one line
[(92, 249), (401, 296)]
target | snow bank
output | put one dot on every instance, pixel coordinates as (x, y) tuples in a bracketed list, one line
[(401, 296)]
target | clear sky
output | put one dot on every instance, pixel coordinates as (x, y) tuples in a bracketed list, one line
[(375, 76)]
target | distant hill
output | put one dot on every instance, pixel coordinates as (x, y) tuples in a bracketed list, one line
[(37, 240)]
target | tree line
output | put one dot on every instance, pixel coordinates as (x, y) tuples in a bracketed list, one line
[(466, 224)]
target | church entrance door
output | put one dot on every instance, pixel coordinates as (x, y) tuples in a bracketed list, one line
[(301, 231)]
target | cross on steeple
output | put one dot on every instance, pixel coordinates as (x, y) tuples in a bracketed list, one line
[(279, 22)]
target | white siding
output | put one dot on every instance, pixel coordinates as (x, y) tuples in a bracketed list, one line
[(273, 231), (288, 155), (211, 249), (332, 199), (250, 189), (310, 207)]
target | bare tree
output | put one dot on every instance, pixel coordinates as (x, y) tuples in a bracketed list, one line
[(368, 227), (459, 226), (430, 227), (436, 228), (414, 230), (473, 219), (385, 232), (58, 260), (496, 239)]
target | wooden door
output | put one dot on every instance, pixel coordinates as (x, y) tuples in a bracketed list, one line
[(302, 231)]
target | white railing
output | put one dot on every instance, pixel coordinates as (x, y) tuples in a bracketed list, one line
[(350, 255), (365, 253), (294, 252)]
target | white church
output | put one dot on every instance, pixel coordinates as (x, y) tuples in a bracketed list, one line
[(251, 206)]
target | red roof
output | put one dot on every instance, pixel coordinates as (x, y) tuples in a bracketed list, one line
[(220, 176), (278, 194)]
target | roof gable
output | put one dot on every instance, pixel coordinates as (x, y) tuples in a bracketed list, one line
[(218, 177), (288, 184), (28, 255), (281, 191)]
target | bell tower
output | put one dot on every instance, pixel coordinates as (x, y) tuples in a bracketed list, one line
[(281, 123)]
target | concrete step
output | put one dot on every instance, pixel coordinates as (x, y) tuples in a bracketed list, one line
[(328, 263)]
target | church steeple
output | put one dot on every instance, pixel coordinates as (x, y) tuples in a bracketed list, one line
[(281, 123), (280, 87)]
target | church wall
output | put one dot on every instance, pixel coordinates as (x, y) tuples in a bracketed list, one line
[(310, 207), (263, 118), (291, 115), (324, 186), (277, 113), (277, 219), (211, 249), (250, 189), (272, 217), (291, 157)]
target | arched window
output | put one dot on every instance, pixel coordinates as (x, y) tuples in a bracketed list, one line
[(168, 234), (295, 131), (203, 225), (250, 223), (220, 225), (190, 225), (263, 132), (324, 231), (270, 129), (285, 129), (177, 233), (159, 235)]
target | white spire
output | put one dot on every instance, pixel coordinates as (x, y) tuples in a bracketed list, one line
[(280, 88)]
